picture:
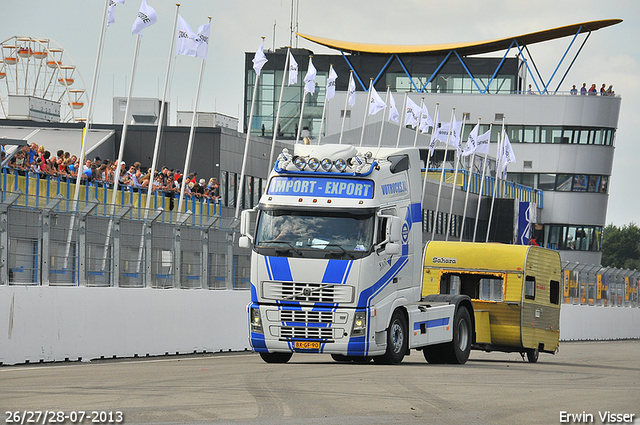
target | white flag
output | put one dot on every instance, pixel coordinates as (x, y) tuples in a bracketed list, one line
[(472, 141), (310, 78), (454, 138), (293, 70), (352, 91), (482, 146), (508, 156), (412, 113), (190, 43), (111, 11), (434, 134), (146, 17), (203, 40), (331, 84), (425, 120), (376, 104), (394, 115), (259, 59)]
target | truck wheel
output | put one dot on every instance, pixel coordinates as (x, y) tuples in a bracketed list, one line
[(276, 357), (457, 351), (340, 358), (433, 354), (532, 355), (397, 340)]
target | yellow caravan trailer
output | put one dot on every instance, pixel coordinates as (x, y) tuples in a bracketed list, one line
[(515, 290)]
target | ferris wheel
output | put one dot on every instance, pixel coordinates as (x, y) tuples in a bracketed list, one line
[(39, 69)]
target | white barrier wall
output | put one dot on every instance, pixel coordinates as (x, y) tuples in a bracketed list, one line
[(584, 322), (40, 323)]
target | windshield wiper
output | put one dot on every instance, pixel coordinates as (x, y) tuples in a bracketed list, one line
[(286, 243), (344, 251)]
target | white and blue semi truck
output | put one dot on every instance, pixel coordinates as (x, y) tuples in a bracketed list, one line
[(337, 261)]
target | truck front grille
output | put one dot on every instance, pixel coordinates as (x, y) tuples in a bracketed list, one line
[(306, 316), (307, 292), (306, 333)]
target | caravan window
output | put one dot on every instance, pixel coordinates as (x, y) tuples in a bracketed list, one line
[(554, 292), (491, 289), (530, 287), (477, 286)]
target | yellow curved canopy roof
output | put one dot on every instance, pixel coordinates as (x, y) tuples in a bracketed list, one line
[(464, 49)]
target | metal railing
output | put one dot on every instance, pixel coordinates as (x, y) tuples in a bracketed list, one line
[(53, 241), (601, 286), (45, 187)]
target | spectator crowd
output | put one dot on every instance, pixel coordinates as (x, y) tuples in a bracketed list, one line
[(593, 91), (36, 159)]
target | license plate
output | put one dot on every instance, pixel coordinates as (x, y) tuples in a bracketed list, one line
[(307, 345)]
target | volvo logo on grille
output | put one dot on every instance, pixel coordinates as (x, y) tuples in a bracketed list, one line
[(306, 292)]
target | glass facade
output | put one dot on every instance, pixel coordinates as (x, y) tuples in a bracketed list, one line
[(562, 182), (401, 74), (250, 196)]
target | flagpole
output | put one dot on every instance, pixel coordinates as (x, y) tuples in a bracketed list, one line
[(404, 108), (466, 198), (275, 127), (415, 137), (366, 111), (187, 160), (497, 180), (386, 101), (455, 178), (156, 147), (87, 124), (346, 103), (94, 83), (116, 177), (426, 164), (304, 96), (433, 230), (484, 169), (324, 108), (246, 144)]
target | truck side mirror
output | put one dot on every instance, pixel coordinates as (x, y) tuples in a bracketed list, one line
[(394, 231), (245, 225), (244, 242), (392, 248)]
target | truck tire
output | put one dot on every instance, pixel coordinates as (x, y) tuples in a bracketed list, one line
[(397, 340), (532, 355), (434, 354), (276, 357), (457, 351), (341, 358)]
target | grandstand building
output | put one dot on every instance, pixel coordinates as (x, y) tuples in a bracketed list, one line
[(563, 142)]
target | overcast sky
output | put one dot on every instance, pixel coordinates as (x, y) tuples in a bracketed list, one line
[(611, 55)]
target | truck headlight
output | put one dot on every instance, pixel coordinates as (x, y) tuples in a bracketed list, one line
[(300, 162), (256, 321), (359, 323), (341, 165), (313, 163), (326, 164)]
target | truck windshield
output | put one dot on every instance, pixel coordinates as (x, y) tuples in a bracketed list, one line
[(315, 233)]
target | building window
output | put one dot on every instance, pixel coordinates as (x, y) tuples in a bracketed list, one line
[(579, 238), (580, 182), (554, 134), (563, 182), (546, 181)]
